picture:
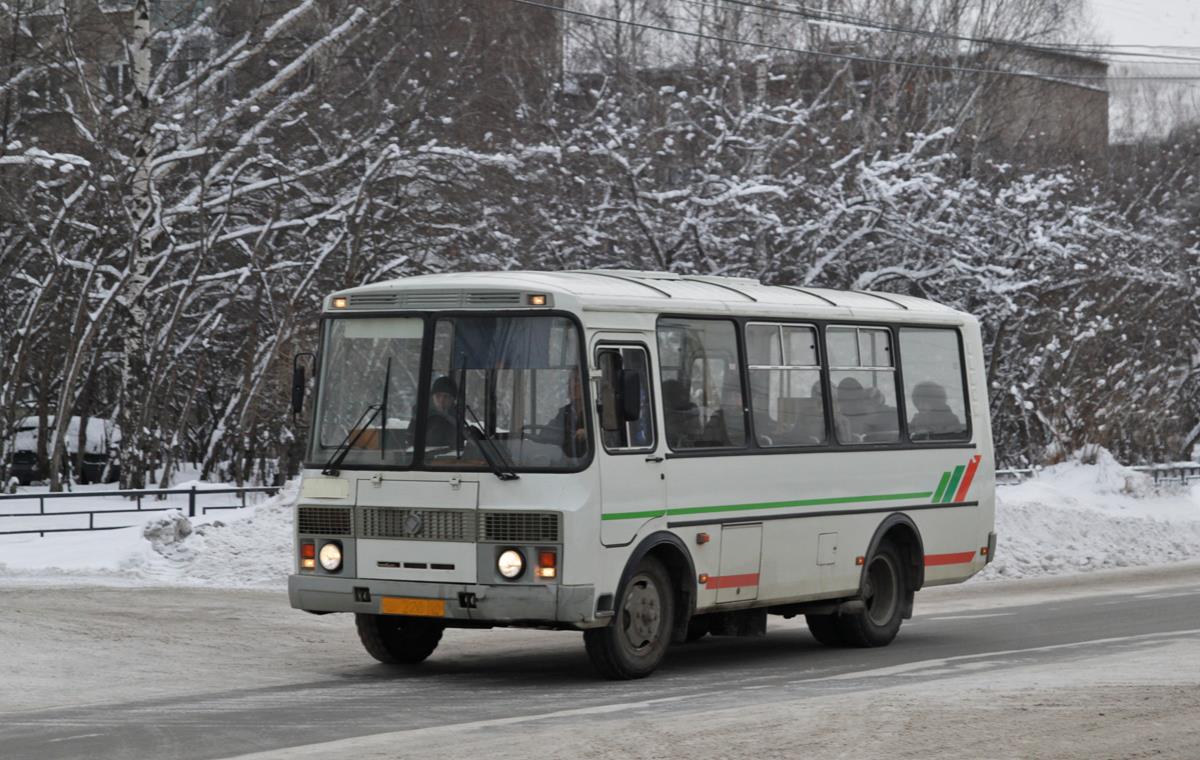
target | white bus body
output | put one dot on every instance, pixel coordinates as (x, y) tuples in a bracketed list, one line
[(764, 449)]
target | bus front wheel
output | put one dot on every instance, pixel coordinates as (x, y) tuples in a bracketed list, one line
[(635, 642), (396, 640)]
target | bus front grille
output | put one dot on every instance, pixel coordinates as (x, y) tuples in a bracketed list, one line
[(520, 527), (416, 524), (323, 521)]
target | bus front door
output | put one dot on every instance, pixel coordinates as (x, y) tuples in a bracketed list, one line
[(633, 483)]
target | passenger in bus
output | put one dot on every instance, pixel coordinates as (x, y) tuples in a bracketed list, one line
[(882, 421), (441, 427), (934, 417), (727, 425), (868, 418), (568, 428), (682, 416), (850, 406)]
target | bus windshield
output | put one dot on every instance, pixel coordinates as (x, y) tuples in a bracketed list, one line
[(500, 388), (516, 381), (368, 388)]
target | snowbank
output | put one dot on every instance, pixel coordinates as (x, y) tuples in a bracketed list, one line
[(1073, 517), (237, 548)]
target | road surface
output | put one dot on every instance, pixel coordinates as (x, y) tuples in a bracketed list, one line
[(1099, 665)]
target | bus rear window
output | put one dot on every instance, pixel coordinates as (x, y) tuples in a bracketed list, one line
[(933, 385)]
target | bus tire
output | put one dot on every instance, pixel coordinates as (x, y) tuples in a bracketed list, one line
[(885, 586), (825, 629), (636, 640), (397, 640), (698, 628)]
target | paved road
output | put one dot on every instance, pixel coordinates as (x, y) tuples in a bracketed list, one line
[(507, 680)]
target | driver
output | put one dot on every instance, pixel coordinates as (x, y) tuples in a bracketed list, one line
[(443, 413)]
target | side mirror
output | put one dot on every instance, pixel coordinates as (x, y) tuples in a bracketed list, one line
[(297, 389), (631, 395), (298, 382), (610, 371)]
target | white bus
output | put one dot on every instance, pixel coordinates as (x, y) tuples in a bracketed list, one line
[(644, 457)]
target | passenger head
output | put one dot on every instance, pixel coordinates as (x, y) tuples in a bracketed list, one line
[(928, 396), (850, 394), (442, 394)]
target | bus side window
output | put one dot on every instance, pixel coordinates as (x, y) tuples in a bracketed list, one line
[(862, 374), (701, 384), (933, 385), (785, 384)]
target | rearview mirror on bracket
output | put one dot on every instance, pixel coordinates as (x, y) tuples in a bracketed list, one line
[(610, 372)]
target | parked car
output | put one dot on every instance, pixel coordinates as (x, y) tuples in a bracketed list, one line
[(99, 450)]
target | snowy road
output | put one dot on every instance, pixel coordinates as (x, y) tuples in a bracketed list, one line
[(1102, 665)]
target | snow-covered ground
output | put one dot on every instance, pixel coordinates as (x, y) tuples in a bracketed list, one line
[(1073, 517)]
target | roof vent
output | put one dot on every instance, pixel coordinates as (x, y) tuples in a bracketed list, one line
[(498, 298), (373, 300)]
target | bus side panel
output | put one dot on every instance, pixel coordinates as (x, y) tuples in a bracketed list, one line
[(819, 512)]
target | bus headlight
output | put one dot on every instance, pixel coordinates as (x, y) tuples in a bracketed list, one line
[(331, 557), (510, 564)]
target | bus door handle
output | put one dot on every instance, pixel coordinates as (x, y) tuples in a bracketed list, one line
[(654, 458)]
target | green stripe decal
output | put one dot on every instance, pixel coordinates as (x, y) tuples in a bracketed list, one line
[(764, 505), (941, 489), (958, 473)]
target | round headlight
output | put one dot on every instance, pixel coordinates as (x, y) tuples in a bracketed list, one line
[(331, 557), (510, 564)]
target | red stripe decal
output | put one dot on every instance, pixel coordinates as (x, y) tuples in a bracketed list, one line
[(961, 494), (948, 559), (732, 581)]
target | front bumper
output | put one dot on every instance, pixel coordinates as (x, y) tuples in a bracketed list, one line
[(517, 605)]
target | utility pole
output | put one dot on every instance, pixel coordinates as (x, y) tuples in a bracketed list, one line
[(133, 368), (760, 69)]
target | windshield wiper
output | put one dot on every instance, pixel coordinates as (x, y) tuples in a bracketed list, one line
[(387, 382), (496, 458), (352, 435)]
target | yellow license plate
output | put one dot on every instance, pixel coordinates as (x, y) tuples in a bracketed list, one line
[(396, 605)]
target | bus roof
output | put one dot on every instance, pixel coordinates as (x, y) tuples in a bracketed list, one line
[(630, 290)]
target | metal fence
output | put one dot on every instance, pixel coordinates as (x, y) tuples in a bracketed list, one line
[(1178, 472), (193, 496)]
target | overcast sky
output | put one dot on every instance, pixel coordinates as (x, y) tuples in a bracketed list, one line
[(1148, 22)]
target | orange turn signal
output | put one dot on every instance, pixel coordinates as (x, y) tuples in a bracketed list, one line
[(547, 564), (703, 578), (703, 538), (860, 561)]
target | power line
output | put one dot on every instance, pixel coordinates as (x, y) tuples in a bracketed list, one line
[(816, 16), (849, 56)]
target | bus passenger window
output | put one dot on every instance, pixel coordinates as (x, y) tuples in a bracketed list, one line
[(701, 384), (933, 386), (785, 385), (863, 378)]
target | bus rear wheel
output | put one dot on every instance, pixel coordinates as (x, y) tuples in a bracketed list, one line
[(397, 640), (636, 640), (825, 629), (885, 587)]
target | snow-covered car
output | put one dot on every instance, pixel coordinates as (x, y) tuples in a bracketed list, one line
[(102, 435)]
